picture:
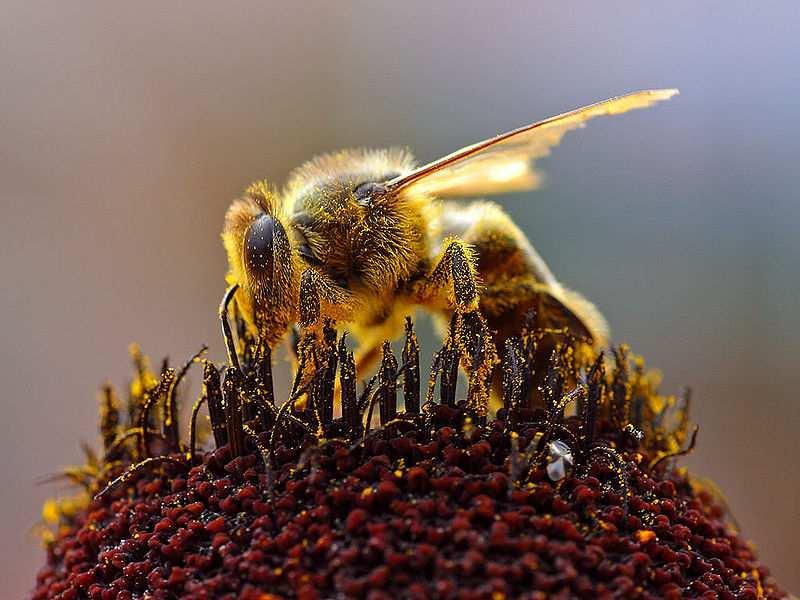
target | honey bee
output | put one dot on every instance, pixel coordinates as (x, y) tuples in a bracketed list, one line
[(364, 237)]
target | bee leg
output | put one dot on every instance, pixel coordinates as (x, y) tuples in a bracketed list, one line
[(453, 284), (309, 298), (322, 300), (455, 274)]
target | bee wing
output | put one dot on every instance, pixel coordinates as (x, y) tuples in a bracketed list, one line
[(504, 163)]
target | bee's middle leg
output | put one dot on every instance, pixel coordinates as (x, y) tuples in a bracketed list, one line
[(452, 286), (452, 283)]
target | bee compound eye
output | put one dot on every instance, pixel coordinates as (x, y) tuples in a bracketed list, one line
[(259, 252)]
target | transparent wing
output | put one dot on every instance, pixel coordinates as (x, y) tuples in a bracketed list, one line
[(504, 163)]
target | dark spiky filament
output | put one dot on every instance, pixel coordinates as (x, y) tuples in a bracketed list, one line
[(411, 378), (242, 411)]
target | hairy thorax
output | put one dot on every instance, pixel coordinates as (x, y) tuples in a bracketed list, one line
[(369, 248)]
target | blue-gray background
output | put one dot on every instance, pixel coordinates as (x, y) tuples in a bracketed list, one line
[(125, 130)]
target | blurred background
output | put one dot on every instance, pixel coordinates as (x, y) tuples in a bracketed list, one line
[(125, 131)]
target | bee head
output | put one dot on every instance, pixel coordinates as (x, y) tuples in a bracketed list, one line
[(262, 260)]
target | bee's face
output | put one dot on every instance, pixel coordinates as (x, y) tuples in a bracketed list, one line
[(264, 261)]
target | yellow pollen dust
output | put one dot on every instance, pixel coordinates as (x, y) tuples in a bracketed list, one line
[(50, 512), (645, 535)]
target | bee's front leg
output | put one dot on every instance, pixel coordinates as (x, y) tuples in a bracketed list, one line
[(322, 299), (309, 298)]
